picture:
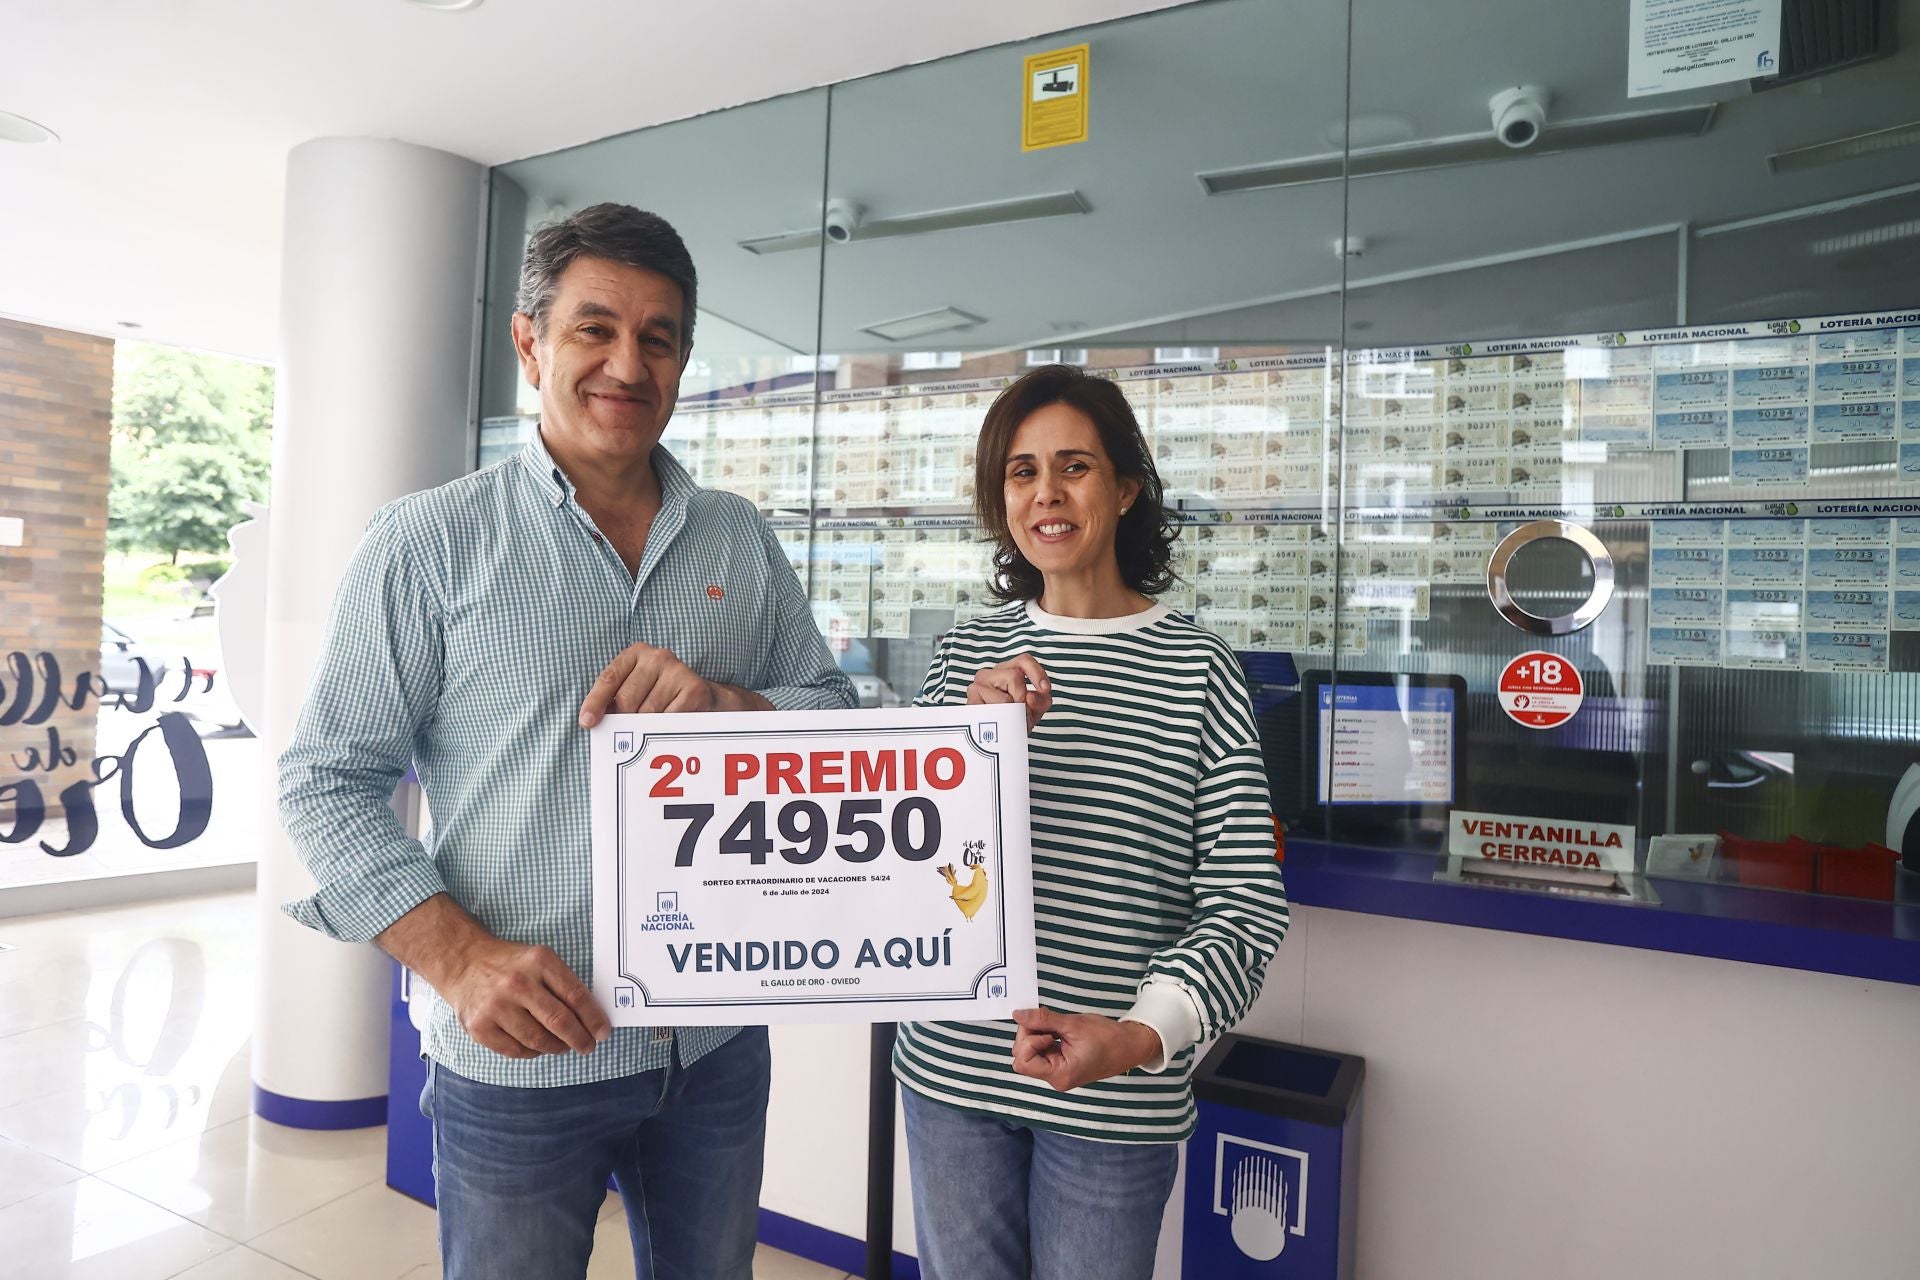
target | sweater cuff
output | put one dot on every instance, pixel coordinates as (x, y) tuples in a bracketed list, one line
[(1170, 1012)]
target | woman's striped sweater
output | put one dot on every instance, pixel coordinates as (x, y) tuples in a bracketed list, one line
[(1154, 858)]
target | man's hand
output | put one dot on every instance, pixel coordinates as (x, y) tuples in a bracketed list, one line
[(524, 1001), (518, 1000), (1068, 1050), (643, 678), (1009, 682)]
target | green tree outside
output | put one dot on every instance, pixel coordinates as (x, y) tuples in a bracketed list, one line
[(192, 440)]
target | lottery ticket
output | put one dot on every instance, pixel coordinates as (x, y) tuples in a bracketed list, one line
[(1770, 466), (1684, 646), (1846, 651)]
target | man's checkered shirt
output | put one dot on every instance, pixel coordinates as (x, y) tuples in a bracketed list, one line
[(468, 629)]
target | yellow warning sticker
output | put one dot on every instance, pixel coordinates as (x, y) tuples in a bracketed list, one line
[(1053, 105)]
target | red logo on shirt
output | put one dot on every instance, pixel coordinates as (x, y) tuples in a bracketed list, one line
[(715, 593)]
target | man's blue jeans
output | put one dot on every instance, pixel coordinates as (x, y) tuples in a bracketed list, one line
[(994, 1200), (521, 1173)]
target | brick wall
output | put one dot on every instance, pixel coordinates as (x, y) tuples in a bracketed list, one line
[(56, 407)]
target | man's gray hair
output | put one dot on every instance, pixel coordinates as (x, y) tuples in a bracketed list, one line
[(617, 232)]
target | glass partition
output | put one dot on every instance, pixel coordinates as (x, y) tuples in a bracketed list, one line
[(1619, 325), (970, 259), (1549, 454)]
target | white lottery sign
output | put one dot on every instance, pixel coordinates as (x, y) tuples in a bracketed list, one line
[(1686, 44), (812, 866)]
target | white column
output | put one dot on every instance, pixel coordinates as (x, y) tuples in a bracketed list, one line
[(379, 313)]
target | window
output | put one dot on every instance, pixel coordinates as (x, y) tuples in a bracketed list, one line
[(1056, 355), (110, 542), (1168, 355), (930, 360)]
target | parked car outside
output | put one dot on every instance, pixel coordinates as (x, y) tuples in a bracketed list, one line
[(120, 658), (205, 698)]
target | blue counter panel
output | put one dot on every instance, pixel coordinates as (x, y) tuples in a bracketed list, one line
[(1857, 938)]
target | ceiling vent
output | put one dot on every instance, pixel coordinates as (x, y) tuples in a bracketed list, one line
[(1818, 37), (847, 222), (1872, 238), (1860, 144), (1465, 148)]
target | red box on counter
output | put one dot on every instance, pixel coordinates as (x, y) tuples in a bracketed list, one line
[(1866, 872), (1769, 864)]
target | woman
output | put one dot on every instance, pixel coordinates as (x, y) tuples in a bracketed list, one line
[(1046, 1147)]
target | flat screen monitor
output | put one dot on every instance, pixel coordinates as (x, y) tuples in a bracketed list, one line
[(1385, 744)]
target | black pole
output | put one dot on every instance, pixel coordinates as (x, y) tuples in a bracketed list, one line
[(880, 1153)]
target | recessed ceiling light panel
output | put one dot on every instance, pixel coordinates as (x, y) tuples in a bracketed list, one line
[(922, 323), (447, 6), (1870, 239), (1860, 144), (15, 128)]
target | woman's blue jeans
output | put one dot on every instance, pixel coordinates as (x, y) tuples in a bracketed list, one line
[(994, 1200)]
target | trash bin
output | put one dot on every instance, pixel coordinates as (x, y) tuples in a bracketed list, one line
[(409, 1134), (1272, 1165)]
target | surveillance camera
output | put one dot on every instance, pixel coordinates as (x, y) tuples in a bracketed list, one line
[(843, 219), (1519, 114)]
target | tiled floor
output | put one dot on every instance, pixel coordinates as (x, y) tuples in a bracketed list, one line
[(126, 1147)]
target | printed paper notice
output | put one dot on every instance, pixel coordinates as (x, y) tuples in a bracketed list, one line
[(1685, 44)]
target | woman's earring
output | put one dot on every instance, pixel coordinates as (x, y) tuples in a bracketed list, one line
[(1124, 510)]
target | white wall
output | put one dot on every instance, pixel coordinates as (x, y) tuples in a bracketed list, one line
[(1537, 1108)]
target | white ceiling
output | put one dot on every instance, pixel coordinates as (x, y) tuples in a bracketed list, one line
[(162, 202)]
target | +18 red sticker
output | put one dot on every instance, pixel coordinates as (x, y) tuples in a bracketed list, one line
[(1540, 690)]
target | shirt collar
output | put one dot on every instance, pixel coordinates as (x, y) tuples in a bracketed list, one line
[(676, 486), (1095, 626), (545, 471)]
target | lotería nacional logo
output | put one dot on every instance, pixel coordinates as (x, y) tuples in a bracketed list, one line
[(666, 917)]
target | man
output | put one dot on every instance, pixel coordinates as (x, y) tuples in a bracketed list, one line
[(465, 640)]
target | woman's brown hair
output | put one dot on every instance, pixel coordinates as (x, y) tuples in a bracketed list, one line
[(1144, 538)]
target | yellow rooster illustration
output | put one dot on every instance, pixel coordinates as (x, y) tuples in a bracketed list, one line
[(971, 896)]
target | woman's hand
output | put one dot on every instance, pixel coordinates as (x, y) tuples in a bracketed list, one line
[(1009, 682), (1068, 1050)]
